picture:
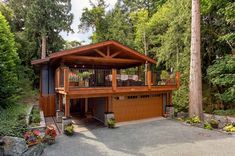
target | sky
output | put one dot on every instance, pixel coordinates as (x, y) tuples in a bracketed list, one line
[(77, 7)]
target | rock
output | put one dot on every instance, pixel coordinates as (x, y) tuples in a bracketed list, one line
[(14, 146), (223, 120), (231, 119), (182, 115), (34, 150)]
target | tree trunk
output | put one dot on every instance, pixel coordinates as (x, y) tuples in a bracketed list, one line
[(43, 45), (195, 84)]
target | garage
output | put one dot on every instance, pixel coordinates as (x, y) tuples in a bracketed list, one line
[(135, 107)]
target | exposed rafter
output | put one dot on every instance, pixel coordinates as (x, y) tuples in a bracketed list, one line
[(100, 53)]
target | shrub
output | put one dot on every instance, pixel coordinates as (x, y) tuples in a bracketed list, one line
[(228, 112), (214, 123), (229, 128), (111, 123), (193, 120), (208, 126), (68, 129), (32, 137), (12, 120)]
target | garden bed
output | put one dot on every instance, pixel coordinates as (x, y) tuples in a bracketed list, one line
[(12, 120), (35, 119)]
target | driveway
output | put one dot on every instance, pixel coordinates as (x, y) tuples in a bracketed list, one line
[(159, 137)]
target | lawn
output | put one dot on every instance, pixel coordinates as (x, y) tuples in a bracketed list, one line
[(12, 120)]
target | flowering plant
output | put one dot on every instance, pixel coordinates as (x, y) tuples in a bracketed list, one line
[(32, 137), (50, 132)]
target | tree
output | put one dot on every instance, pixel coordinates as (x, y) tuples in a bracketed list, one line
[(45, 20), (195, 83), (71, 44), (221, 75), (8, 62)]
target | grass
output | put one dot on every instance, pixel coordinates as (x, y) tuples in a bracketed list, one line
[(12, 120)]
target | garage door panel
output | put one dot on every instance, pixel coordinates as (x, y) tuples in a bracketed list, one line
[(139, 108)]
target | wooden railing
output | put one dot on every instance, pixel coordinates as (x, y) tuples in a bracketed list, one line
[(110, 78)]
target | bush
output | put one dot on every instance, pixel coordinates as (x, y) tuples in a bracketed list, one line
[(35, 116), (229, 128), (68, 129), (12, 120), (228, 112), (111, 123), (208, 126), (193, 120), (214, 123)]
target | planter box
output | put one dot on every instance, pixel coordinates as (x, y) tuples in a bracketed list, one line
[(42, 124)]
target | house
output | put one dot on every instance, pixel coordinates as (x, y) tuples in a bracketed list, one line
[(103, 77)]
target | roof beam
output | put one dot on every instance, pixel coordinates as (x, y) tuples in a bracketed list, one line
[(108, 51), (102, 60), (115, 54), (100, 53)]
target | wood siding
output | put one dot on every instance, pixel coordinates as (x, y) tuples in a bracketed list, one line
[(47, 104)]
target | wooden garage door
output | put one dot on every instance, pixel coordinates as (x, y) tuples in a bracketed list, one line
[(128, 108)]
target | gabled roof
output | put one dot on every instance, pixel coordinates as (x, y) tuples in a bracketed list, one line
[(113, 49)]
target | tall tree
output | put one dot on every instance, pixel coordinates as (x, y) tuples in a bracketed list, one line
[(8, 61), (195, 83), (45, 19)]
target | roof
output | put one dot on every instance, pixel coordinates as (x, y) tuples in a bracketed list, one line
[(107, 51)]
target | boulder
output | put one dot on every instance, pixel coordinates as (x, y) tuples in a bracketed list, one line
[(34, 150), (223, 120), (14, 146)]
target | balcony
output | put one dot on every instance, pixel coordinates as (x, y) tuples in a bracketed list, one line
[(98, 82)]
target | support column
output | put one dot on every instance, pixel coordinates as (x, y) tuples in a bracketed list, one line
[(149, 77), (86, 105), (60, 102), (67, 106), (114, 79)]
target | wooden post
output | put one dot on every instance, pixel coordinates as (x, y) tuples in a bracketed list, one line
[(67, 106), (60, 102), (149, 79), (86, 105), (66, 79), (110, 106), (177, 79), (114, 79)]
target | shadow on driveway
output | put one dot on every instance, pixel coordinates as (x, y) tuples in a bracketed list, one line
[(160, 137)]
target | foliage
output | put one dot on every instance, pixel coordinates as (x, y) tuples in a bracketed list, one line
[(8, 64), (229, 128), (50, 131), (193, 120), (68, 129), (214, 123), (111, 123), (12, 120), (164, 75), (71, 44), (35, 116), (228, 112), (208, 126), (221, 75), (32, 137)]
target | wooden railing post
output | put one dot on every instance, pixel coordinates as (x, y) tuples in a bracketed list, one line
[(66, 79), (177, 79), (149, 79), (114, 79)]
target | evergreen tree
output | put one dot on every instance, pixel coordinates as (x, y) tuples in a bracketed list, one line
[(8, 64)]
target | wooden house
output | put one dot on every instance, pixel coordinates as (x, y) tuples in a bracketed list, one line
[(103, 77)]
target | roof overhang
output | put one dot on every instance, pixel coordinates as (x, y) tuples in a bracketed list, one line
[(106, 53)]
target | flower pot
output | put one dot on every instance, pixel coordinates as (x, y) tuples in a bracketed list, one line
[(50, 141)]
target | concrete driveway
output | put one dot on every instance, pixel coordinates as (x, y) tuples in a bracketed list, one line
[(160, 137)]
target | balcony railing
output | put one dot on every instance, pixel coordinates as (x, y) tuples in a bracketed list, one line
[(91, 78)]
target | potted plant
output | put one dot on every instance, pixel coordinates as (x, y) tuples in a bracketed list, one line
[(111, 123), (84, 78), (214, 123), (68, 129), (164, 77), (50, 135), (32, 137)]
